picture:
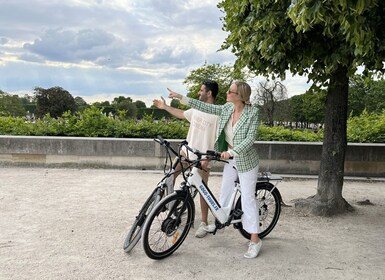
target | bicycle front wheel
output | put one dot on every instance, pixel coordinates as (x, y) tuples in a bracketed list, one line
[(269, 202), (135, 232), (167, 225)]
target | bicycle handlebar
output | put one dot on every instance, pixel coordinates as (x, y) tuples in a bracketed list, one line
[(159, 139), (209, 154)]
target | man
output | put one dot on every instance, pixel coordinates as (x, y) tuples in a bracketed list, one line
[(201, 136)]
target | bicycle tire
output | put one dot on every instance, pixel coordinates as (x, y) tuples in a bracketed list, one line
[(269, 209), (163, 232), (135, 231)]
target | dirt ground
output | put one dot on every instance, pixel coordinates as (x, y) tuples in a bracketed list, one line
[(71, 224)]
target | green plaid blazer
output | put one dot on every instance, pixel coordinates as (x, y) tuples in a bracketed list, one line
[(245, 131)]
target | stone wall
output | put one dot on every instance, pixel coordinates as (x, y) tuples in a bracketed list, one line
[(277, 157)]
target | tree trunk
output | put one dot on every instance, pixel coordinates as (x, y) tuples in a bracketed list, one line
[(328, 199)]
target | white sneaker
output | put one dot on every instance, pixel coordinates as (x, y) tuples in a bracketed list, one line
[(210, 228), (253, 250), (201, 231)]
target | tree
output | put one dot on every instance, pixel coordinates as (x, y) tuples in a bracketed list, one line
[(269, 93), (125, 104), (27, 99), (222, 74), (10, 105), (282, 111), (175, 103), (54, 101), (296, 109), (80, 101), (326, 40), (375, 98), (120, 99), (140, 104), (81, 104), (357, 93), (313, 106), (29, 103)]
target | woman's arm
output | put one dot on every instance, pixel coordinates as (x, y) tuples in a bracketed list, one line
[(197, 104), (204, 107)]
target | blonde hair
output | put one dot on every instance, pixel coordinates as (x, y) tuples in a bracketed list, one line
[(244, 91)]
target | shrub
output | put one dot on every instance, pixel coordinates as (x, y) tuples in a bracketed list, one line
[(279, 133), (366, 128)]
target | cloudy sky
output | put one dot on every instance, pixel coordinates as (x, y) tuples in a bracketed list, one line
[(101, 49)]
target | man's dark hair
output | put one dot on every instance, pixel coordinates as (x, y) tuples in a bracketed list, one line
[(211, 85)]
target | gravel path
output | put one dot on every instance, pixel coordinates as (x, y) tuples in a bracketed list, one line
[(71, 224)]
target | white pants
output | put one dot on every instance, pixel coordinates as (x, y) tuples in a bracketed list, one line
[(248, 181)]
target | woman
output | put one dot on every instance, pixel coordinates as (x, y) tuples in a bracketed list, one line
[(237, 130)]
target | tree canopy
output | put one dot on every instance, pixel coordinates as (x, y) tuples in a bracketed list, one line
[(10, 105), (222, 74), (54, 101), (305, 37)]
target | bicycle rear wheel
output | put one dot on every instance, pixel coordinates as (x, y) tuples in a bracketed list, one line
[(135, 232), (269, 203), (167, 225)]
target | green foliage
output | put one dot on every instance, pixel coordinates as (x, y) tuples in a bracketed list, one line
[(375, 99), (279, 133), (15, 126), (140, 104), (314, 106), (305, 37), (10, 105), (31, 108), (92, 122), (54, 101), (367, 128), (366, 94), (222, 74), (155, 113), (357, 93)]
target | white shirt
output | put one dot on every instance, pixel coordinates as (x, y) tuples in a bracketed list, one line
[(202, 131)]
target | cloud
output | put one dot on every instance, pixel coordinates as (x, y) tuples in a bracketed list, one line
[(86, 45), (99, 48), (3, 41)]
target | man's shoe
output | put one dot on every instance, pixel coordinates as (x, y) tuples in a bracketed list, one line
[(201, 231), (210, 228), (253, 250)]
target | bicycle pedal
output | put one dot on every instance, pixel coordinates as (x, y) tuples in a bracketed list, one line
[(175, 237), (237, 226), (238, 213)]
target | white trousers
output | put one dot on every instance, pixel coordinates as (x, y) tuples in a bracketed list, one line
[(248, 181)]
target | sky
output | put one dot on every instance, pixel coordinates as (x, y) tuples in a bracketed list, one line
[(102, 49)]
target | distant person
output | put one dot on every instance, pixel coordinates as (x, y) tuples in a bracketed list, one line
[(201, 136), (238, 122)]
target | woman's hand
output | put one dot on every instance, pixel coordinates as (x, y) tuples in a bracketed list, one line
[(173, 94), (226, 155), (205, 165)]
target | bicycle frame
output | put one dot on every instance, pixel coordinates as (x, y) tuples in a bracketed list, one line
[(221, 213)]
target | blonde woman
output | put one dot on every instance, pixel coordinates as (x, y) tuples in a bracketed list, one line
[(237, 130)]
